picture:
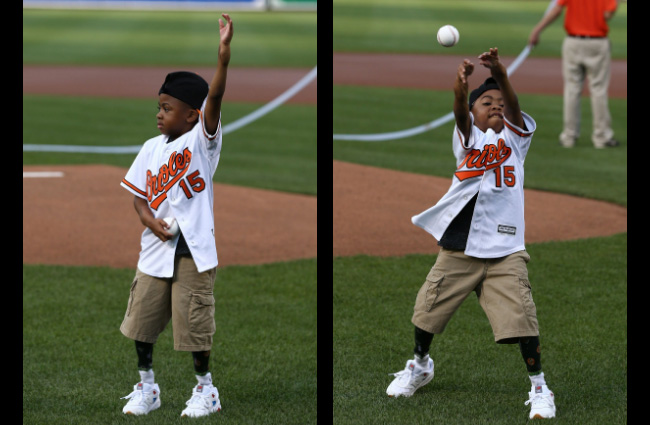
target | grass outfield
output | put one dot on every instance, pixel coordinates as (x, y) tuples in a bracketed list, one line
[(276, 152), (103, 37), (582, 171), (580, 290), (77, 364), (410, 26)]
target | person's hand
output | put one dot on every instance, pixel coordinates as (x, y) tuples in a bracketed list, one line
[(465, 69), (159, 228), (534, 37), (490, 60), (225, 30)]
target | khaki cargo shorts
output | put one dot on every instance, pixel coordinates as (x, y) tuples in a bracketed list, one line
[(186, 298), (501, 285)]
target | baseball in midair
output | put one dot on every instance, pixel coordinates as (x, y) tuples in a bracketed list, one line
[(173, 225), (448, 36)]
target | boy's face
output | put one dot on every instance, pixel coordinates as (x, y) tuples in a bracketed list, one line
[(488, 111), (174, 116)]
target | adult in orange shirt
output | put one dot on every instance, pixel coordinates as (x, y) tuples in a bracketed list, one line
[(586, 52)]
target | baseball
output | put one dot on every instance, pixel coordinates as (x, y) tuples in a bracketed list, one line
[(173, 225), (448, 36)]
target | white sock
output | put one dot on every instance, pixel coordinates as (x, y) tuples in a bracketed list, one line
[(205, 380), (146, 376), (537, 380), (422, 362)]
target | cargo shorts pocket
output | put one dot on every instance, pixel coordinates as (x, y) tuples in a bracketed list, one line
[(527, 298), (431, 289), (201, 314)]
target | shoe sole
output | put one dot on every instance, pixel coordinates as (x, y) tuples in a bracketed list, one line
[(185, 415), (154, 407), (538, 416)]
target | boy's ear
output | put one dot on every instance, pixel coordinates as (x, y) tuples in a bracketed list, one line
[(193, 115)]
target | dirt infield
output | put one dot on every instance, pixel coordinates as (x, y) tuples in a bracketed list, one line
[(244, 84), (534, 75), (378, 222), (87, 218)]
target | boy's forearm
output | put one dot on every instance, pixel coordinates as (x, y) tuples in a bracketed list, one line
[(461, 108), (143, 210), (218, 86), (512, 108), (460, 98)]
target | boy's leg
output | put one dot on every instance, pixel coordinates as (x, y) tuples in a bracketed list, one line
[(192, 306), (149, 308), (145, 355), (531, 352), (147, 314), (194, 327), (448, 284), (422, 342)]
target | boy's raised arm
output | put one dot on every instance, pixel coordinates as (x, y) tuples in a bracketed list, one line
[(218, 84), (461, 108)]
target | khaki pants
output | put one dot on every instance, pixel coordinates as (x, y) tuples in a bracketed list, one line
[(501, 285), (186, 298), (589, 58)]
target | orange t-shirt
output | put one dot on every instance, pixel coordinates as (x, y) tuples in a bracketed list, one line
[(586, 17)]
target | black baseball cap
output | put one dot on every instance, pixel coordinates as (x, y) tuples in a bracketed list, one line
[(186, 86), (489, 84)]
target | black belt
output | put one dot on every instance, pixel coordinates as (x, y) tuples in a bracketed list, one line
[(585, 36)]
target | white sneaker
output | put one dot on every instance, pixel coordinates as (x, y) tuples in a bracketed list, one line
[(543, 402), (143, 399), (205, 400), (410, 379)]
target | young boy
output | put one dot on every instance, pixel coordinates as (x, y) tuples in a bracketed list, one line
[(479, 224), (172, 176)]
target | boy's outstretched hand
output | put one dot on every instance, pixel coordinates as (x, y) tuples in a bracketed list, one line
[(465, 69), (225, 30), (490, 60)]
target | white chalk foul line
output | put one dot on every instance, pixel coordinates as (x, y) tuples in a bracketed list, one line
[(229, 128), (42, 174)]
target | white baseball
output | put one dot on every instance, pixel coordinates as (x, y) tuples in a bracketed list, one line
[(173, 225), (448, 36)]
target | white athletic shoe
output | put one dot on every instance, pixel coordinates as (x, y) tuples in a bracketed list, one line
[(205, 400), (543, 402), (410, 379), (143, 399)]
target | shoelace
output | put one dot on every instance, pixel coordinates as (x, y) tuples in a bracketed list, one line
[(404, 376), (138, 395), (542, 397), (200, 400)]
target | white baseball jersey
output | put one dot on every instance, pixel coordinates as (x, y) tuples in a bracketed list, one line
[(176, 180), (491, 164)]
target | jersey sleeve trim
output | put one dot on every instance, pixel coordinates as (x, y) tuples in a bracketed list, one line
[(205, 133), (134, 189), (518, 131)]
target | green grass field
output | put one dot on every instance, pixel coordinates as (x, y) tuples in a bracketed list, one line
[(77, 364), (410, 26), (579, 287), (580, 290), (276, 152), (170, 38)]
